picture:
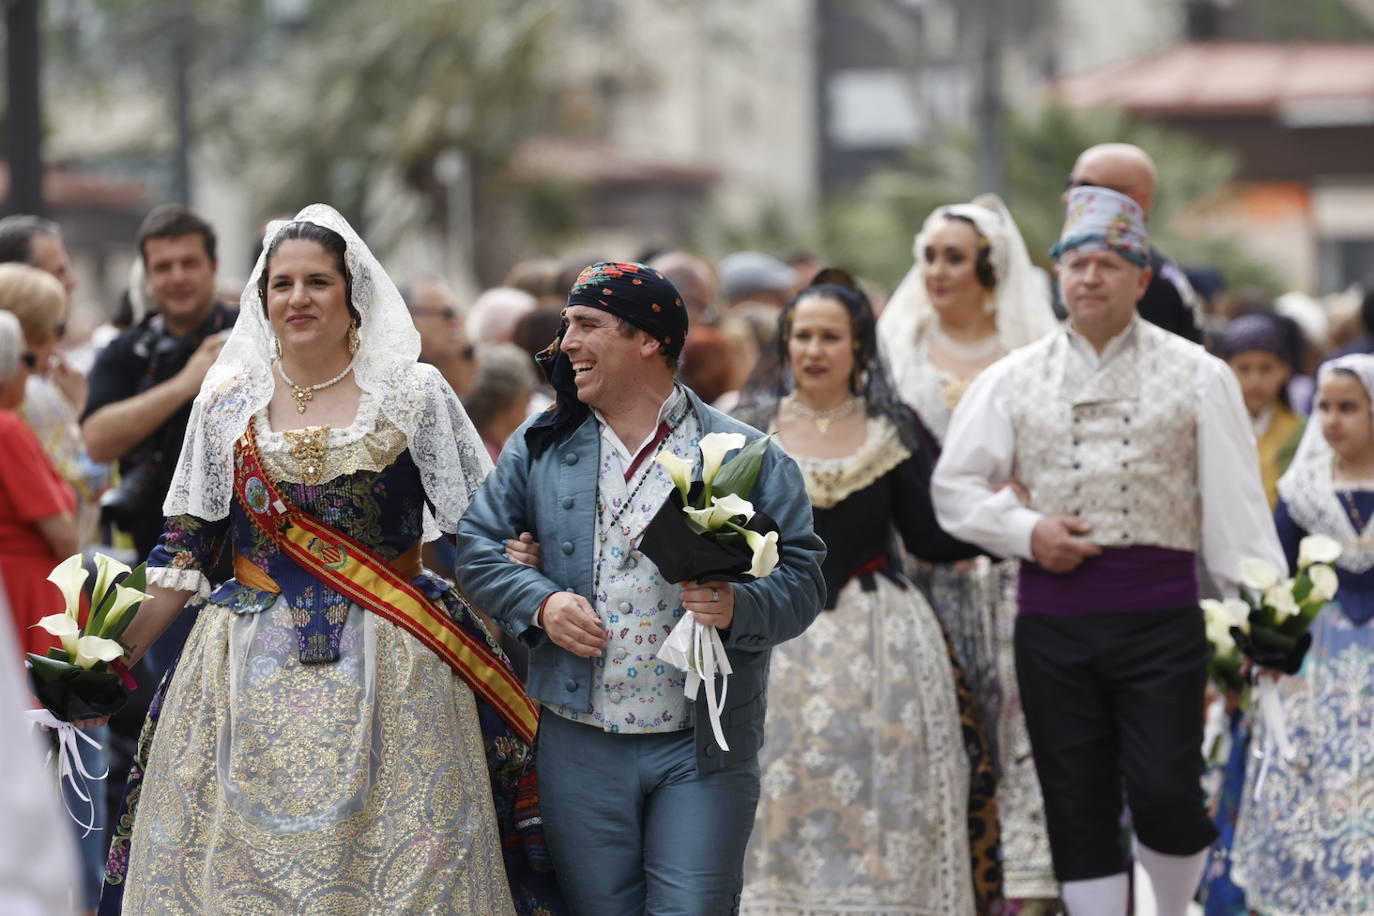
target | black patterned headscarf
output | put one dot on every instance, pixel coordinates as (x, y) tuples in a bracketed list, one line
[(638, 294)]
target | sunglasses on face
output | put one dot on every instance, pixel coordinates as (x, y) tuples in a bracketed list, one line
[(1073, 182), (60, 331)]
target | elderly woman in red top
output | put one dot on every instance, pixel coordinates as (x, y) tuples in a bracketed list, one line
[(37, 527)]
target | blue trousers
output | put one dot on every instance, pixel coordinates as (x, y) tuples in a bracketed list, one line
[(634, 830)]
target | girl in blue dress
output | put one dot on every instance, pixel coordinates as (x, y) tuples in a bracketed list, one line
[(1305, 835)]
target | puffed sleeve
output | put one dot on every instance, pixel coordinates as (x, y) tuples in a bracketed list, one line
[(187, 548)]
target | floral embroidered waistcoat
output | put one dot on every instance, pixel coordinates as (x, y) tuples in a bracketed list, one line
[(1116, 444), (632, 691)]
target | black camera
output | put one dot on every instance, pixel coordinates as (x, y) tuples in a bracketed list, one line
[(124, 505)]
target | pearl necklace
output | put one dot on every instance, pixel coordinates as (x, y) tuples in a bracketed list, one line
[(303, 393), (984, 350), (823, 418)]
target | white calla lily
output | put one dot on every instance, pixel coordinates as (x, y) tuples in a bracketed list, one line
[(64, 628), (1219, 617), (1219, 635), (722, 510), (1280, 598), (1324, 581), (679, 469), (709, 519), (92, 649), (733, 505), (69, 576), (1258, 574), (1237, 614), (1317, 548), (125, 598), (714, 447), (765, 548), (107, 569)]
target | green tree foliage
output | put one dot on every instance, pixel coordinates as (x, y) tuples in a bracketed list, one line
[(383, 92), (870, 227)]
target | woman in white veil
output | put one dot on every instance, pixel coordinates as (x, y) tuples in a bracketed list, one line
[(1012, 297), (971, 297), (1304, 838), (340, 734)]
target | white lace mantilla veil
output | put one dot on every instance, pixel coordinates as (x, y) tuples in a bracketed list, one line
[(1308, 487), (1021, 299), (412, 395)]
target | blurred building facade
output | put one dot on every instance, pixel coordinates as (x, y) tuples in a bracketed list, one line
[(682, 118)]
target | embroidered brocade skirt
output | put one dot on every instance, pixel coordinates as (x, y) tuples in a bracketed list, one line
[(1304, 841), (865, 780), (358, 787)]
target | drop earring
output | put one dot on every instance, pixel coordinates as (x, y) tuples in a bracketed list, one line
[(353, 337), (276, 347)]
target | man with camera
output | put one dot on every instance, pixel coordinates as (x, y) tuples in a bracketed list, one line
[(142, 384)]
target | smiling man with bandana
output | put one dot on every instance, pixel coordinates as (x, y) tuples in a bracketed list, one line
[(1134, 455), (644, 813)]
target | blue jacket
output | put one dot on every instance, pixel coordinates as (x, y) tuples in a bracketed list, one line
[(554, 497)]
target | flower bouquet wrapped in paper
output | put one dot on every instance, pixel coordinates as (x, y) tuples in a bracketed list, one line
[(1274, 633), (1281, 611), (708, 531), (84, 678)]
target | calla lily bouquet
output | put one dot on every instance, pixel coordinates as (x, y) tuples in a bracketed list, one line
[(1274, 631), (84, 678), (708, 530)]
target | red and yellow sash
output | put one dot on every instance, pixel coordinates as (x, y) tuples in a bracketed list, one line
[(350, 568)]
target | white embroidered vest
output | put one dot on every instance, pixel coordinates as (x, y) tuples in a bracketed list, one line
[(1114, 445)]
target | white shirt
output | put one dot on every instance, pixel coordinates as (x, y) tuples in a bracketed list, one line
[(978, 453), (610, 438)]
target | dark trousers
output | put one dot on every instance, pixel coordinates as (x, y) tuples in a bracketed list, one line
[(1113, 698)]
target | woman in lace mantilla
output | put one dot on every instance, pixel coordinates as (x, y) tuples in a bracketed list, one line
[(876, 791), (971, 297), (1304, 841), (307, 754)]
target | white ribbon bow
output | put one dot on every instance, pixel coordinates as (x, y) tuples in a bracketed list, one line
[(1275, 729), (696, 648), (69, 764)]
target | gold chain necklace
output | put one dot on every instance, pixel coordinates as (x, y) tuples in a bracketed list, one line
[(823, 418), (303, 393)]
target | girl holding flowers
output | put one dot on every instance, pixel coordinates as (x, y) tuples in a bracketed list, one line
[(1305, 836)]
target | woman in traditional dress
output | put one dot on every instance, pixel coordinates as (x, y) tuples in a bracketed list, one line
[(339, 734), (866, 775), (971, 297), (1305, 836)]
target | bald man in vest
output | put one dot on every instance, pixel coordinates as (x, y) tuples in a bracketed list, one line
[(1133, 451)]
